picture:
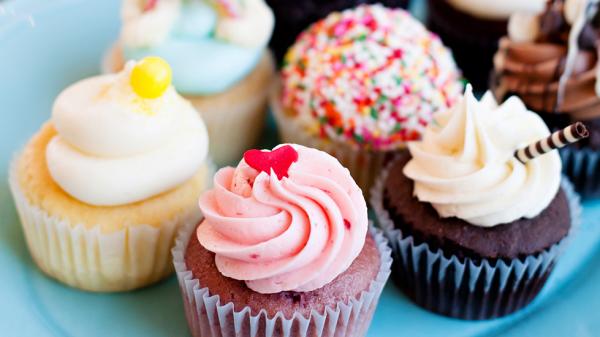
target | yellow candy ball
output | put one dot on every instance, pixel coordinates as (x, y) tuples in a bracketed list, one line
[(151, 77)]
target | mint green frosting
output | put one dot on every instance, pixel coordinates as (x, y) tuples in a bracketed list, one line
[(201, 64)]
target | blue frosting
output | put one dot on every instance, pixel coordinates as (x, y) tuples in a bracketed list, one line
[(201, 64)]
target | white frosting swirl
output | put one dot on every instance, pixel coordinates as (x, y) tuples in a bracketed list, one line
[(147, 28), (498, 9), (252, 29), (523, 27), (115, 148), (465, 166)]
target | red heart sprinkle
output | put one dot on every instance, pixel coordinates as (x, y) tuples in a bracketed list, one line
[(150, 4), (279, 160)]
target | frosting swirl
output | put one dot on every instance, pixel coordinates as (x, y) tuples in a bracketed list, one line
[(114, 147), (208, 49), (465, 166), (498, 10), (296, 233)]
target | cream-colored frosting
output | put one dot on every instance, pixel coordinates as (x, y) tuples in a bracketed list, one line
[(252, 28), (523, 27), (465, 165), (147, 28), (498, 9), (114, 147), (573, 9)]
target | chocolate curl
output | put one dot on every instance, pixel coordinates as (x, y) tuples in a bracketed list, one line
[(569, 135)]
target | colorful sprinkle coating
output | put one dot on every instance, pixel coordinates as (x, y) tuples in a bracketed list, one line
[(371, 76)]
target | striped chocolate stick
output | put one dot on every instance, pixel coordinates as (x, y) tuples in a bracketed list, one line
[(569, 135)]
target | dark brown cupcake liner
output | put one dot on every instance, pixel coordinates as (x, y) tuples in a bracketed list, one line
[(473, 41), (467, 288), (207, 316), (582, 166)]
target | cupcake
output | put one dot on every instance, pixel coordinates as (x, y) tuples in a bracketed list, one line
[(104, 185), (551, 64), (362, 82), (292, 17), (476, 232), (472, 28), (217, 49), (284, 250)]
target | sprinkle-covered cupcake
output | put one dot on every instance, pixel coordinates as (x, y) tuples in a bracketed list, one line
[(218, 52), (292, 17), (103, 187), (550, 61), (472, 28), (486, 225), (362, 82), (284, 250)]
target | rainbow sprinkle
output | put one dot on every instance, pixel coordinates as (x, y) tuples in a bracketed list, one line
[(372, 76)]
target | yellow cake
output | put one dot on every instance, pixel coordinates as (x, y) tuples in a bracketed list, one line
[(98, 245)]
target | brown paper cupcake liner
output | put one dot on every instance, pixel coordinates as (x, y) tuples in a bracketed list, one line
[(207, 316), (467, 288)]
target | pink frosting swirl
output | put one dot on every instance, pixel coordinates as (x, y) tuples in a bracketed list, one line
[(292, 234)]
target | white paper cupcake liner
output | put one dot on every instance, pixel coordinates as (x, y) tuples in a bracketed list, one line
[(468, 289), (88, 259), (208, 317), (364, 165), (582, 166)]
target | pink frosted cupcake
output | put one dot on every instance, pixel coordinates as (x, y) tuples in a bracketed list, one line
[(284, 249)]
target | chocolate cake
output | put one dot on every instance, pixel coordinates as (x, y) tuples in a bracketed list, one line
[(460, 238), (358, 278)]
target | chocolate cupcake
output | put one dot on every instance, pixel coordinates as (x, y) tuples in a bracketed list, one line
[(472, 28), (284, 250), (476, 232), (292, 17), (552, 66)]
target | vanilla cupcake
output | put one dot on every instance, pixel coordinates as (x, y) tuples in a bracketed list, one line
[(103, 186), (217, 49)]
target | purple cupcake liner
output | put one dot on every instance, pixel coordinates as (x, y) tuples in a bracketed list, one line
[(582, 166), (467, 288), (208, 317)]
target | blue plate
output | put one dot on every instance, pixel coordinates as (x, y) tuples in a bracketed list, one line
[(46, 45)]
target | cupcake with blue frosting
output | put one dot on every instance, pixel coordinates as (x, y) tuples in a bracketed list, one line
[(217, 50)]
